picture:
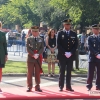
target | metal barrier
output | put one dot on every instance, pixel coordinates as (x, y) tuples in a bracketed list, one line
[(17, 46)]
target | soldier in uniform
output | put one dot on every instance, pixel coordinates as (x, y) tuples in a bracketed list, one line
[(35, 47), (67, 45), (94, 57)]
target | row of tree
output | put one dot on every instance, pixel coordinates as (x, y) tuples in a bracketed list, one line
[(26, 13)]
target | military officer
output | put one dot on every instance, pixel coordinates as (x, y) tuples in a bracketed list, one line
[(35, 47), (67, 45), (94, 57)]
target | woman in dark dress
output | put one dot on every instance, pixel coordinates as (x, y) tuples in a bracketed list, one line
[(51, 45), (3, 51)]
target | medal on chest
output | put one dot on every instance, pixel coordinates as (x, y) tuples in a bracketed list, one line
[(94, 45)]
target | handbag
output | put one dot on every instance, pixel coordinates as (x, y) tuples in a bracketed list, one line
[(45, 54)]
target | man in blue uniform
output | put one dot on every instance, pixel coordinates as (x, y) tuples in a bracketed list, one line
[(67, 45), (94, 57)]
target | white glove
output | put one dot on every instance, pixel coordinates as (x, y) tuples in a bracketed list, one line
[(98, 56), (68, 54), (36, 56)]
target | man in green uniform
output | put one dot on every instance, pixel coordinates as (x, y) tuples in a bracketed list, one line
[(35, 47)]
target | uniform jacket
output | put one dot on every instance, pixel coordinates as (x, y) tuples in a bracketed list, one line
[(66, 43), (32, 45), (3, 47), (94, 48)]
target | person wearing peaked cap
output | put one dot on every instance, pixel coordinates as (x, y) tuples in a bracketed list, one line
[(35, 47), (94, 57), (3, 51), (67, 21), (35, 28), (96, 26), (67, 44)]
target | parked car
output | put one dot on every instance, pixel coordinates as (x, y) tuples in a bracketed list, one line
[(11, 37), (25, 31)]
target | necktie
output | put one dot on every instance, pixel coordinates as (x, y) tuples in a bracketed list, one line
[(35, 39), (67, 32), (98, 38)]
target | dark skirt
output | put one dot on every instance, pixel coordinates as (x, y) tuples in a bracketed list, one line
[(2, 65)]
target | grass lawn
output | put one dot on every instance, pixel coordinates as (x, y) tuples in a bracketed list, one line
[(21, 67)]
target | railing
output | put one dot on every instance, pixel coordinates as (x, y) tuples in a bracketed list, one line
[(17, 46)]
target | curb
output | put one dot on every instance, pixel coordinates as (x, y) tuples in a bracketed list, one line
[(25, 74), (15, 74)]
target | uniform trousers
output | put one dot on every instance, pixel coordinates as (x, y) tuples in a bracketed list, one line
[(91, 69), (33, 67), (65, 65)]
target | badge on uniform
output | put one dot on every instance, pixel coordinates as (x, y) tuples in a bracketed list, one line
[(40, 40), (62, 36), (73, 42)]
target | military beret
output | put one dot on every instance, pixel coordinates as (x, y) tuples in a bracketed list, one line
[(96, 26), (35, 28), (67, 21)]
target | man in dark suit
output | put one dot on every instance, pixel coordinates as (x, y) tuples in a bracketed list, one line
[(35, 47), (94, 57), (67, 45)]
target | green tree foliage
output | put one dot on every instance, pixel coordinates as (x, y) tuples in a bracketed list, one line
[(83, 12), (21, 13), (31, 12), (49, 13)]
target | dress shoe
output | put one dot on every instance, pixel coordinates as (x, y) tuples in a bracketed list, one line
[(38, 89), (52, 75), (69, 89), (49, 75), (60, 89), (97, 88), (88, 89), (29, 90)]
